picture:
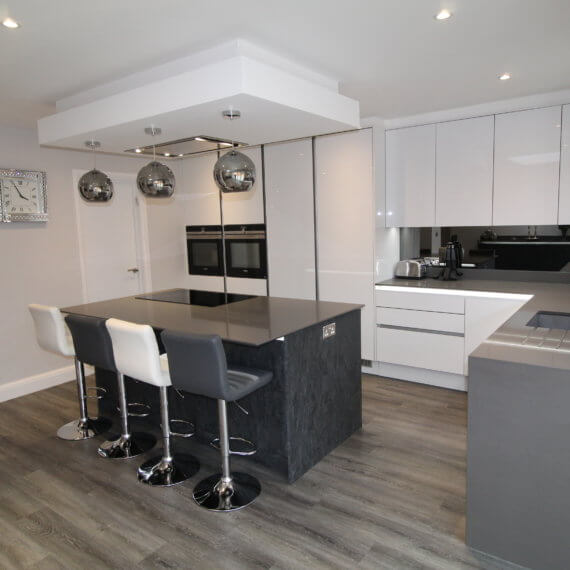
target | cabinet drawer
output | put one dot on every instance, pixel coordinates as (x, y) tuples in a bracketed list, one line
[(420, 301), (421, 349), (429, 320)]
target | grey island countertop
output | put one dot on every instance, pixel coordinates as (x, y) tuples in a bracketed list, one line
[(515, 340), (252, 322)]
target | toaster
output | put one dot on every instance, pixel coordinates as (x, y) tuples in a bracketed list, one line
[(411, 269)]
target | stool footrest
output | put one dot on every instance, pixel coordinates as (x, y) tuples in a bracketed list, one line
[(137, 410), (181, 428), (100, 392), (238, 446)]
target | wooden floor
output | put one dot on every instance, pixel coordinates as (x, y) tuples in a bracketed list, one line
[(392, 496)]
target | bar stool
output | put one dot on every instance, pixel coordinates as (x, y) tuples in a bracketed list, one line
[(137, 355), (53, 335), (198, 365), (93, 346)]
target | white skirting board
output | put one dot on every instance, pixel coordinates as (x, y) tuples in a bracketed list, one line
[(38, 382), (420, 375)]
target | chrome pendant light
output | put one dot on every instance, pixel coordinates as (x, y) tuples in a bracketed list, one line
[(234, 171), (155, 179), (95, 186)]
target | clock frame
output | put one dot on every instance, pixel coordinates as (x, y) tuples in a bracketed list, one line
[(8, 212)]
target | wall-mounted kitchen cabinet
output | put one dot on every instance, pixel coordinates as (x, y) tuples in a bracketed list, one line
[(464, 172), (201, 201), (246, 207), (564, 202), (290, 219), (345, 225), (527, 163), (410, 177)]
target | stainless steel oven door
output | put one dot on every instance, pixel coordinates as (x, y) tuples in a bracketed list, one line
[(205, 253), (246, 251)]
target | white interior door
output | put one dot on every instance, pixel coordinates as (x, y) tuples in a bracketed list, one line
[(112, 241)]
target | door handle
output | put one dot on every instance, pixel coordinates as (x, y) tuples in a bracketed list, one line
[(133, 269)]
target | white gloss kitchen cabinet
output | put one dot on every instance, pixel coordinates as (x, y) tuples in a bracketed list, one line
[(427, 336), (344, 195), (564, 202), (464, 172), (201, 200), (410, 177), (246, 207), (527, 163), (290, 219)]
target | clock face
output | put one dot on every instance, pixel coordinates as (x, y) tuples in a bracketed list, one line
[(22, 195)]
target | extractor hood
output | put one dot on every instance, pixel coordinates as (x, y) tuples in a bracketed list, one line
[(278, 100), (185, 147)]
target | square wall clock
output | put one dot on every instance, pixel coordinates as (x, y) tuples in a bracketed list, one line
[(23, 196)]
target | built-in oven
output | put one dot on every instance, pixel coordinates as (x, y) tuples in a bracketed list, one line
[(246, 251), (205, 253)]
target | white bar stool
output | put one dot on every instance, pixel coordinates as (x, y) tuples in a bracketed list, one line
[(136, 355), (53, 335)]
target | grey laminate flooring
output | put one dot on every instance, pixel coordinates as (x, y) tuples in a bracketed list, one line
[(392, 496)]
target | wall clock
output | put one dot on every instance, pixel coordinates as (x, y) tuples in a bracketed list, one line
[(23, 196)]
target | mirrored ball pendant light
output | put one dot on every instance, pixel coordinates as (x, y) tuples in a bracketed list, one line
[(234, 171), (155, 179), (95, 186)]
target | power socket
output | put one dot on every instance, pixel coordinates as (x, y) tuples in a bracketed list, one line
[(329, 330)]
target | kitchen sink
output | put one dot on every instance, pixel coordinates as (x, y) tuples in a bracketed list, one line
[(547, 320)]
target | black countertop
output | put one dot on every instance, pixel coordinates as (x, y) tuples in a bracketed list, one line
[(252, 322), (515, 340)]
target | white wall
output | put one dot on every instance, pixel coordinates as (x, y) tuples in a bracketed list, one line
[(40, 262)]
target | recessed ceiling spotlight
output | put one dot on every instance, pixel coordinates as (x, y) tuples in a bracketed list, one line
[(443, 15), (138, 150), (166, 154), (180, 155), (226, 144), (199, 139), (10, 23), (504, 76)]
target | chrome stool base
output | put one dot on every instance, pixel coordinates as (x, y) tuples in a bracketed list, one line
[(159, 472), (212, 494), (78, 430), (121, 447)]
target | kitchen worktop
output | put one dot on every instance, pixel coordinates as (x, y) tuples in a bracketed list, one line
[(252, 322), (515, 340)]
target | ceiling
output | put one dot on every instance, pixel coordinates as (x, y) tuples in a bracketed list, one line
[(391, 55)]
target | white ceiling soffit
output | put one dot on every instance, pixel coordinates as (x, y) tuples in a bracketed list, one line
[(278, 100)]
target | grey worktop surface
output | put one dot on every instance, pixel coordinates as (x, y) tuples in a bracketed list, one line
[(515, 341), (253, 321)]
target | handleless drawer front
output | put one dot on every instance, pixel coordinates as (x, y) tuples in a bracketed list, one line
[(437, 302), (442, 352), (426, 320)]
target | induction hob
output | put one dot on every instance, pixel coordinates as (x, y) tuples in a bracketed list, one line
[(194, 297)]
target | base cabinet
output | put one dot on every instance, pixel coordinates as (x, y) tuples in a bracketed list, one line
[(427, 336)]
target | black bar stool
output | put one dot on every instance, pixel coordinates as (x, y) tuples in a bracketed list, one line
[(197, 364), (93, 346)]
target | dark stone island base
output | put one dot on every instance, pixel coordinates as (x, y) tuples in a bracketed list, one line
[(313, 403)]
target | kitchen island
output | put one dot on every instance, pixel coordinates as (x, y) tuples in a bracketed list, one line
[(314, 401)]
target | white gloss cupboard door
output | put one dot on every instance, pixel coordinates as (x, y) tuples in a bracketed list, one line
[(290, 219), (410, 177), (527, 161), (345, 224), (564, 202), (246, 207), (201, 199), (464, 172)]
